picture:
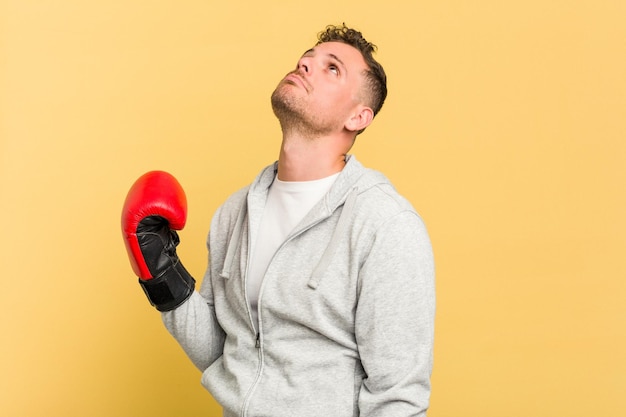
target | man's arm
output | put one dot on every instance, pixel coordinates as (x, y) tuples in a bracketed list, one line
[(196, 329), (155, 207), (395, 319)]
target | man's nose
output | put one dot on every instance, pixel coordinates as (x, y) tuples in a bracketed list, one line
[(304, 65)]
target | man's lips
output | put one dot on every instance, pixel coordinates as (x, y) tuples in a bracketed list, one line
[(294, 78)]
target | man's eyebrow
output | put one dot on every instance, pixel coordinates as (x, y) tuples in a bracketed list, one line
[(336, 58), (311, 52), (333, 56)]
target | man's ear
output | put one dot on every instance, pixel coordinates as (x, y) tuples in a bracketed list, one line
[(360, 119)]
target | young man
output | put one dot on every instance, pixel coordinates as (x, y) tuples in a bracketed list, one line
[(319, 295)]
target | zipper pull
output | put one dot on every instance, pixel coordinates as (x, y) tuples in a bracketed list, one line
[(258, 341)]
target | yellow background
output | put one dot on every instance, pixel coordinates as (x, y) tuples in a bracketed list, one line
[(505, 126)]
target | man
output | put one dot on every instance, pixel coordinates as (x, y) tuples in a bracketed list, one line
[(319, 295)]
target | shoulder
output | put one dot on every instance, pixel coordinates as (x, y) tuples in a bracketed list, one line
[(377, 197), (230, 208), (234, 202)]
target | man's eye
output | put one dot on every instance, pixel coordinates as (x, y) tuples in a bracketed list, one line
[(333, 69)]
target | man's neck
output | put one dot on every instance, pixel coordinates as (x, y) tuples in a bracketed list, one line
[(303, 159)]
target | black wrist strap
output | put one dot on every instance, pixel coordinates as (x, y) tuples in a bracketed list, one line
[(170, 289)]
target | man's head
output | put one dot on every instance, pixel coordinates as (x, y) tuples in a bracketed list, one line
[(337, 86), (376, 86)]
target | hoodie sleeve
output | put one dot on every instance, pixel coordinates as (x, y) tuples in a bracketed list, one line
[(194, 324), (195, 327), (395, 319)]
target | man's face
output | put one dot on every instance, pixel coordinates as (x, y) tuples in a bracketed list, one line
[(323, 90)]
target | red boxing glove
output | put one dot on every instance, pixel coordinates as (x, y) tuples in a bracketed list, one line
[(154, 209)]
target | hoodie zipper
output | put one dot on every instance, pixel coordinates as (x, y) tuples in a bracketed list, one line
[(257, 344), (248, 398)]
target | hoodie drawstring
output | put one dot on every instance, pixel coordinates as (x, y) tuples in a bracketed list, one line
[(331, 249), (235, 239)]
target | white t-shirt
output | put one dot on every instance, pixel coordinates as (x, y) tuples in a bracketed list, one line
[(287, 204)]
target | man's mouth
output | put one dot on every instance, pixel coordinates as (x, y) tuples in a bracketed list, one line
[(295, 79)]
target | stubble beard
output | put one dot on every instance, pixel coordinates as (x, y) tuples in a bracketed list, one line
[(294, 117)]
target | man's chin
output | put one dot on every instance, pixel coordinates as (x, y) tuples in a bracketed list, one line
[(283, 106)]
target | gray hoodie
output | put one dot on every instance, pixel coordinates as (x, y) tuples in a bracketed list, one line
[(346, 307)]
